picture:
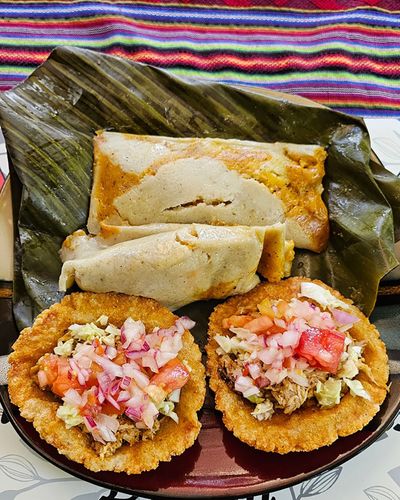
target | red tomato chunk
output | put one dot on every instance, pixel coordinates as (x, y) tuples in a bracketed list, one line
[(322, 348)]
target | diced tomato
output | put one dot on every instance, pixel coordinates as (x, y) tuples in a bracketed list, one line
[(62, 383), (94, 370), (100, 350), (110, 409), (120, 359), (92, 407), (49, 364), (281, 307), (265, 308), (322, 348), (259, 325), (236, 321), (276, 329), (171, 376)]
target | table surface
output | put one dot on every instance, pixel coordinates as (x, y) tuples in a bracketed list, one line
[(373, 474)]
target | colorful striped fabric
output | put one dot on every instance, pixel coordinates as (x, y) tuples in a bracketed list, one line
[(347, 57)]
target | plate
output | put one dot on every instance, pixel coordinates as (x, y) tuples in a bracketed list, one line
[(218, 465)]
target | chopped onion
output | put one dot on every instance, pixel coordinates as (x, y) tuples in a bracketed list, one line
[(149, 361), (149, 413), (123, 397), (136, 353), (140, 378), (107, 434), (165, 332), (134, 413), (251, 391), (343, 317), (162, 358), (112, 401), (72, 397), (268, 355), (125, 382), (131, 330), (100, 395), (114, 387), (129, 368), (275, 376), (280, 322), (78, 372), (254, 370), (111, 352), (298, 378), (168, 344), (107, 421), (272, 341), (90, 423), (96, 434), (186, 322), (178, 328), (104, 381), (83, 350), (108, 366), (242, 383), (42, 378), (135, 401), (175, 395), (277, 364), (289, 338)]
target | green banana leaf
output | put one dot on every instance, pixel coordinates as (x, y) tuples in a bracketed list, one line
[(49, 121)]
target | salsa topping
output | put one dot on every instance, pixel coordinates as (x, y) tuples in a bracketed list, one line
[(289, 354), (108, 377)]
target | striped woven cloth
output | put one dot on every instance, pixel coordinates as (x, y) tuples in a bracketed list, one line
[(347, 57)]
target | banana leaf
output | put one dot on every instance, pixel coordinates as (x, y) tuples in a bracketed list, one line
[(49, 121)]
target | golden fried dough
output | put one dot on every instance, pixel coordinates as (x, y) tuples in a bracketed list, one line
[(307, 428), (40, 407)]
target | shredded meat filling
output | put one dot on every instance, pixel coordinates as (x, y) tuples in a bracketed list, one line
[(127, 432), (286, 396)]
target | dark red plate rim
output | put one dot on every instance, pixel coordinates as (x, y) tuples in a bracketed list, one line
[(28, 434)]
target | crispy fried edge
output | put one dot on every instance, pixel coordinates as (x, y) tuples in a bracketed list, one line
[(306, 429), (39, 407)]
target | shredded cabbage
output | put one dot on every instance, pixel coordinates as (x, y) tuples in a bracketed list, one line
[(227, 344), (64, 348), (102, 320), (356, 388), (255, 399), (70, 415), (167, 409), (263, 411), (90, 331), (321, 295), (328, 393), (349, 368)]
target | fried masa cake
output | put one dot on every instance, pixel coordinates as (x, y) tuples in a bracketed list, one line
[(294, 365), (176, 267), (141, 179), (113, 382)]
